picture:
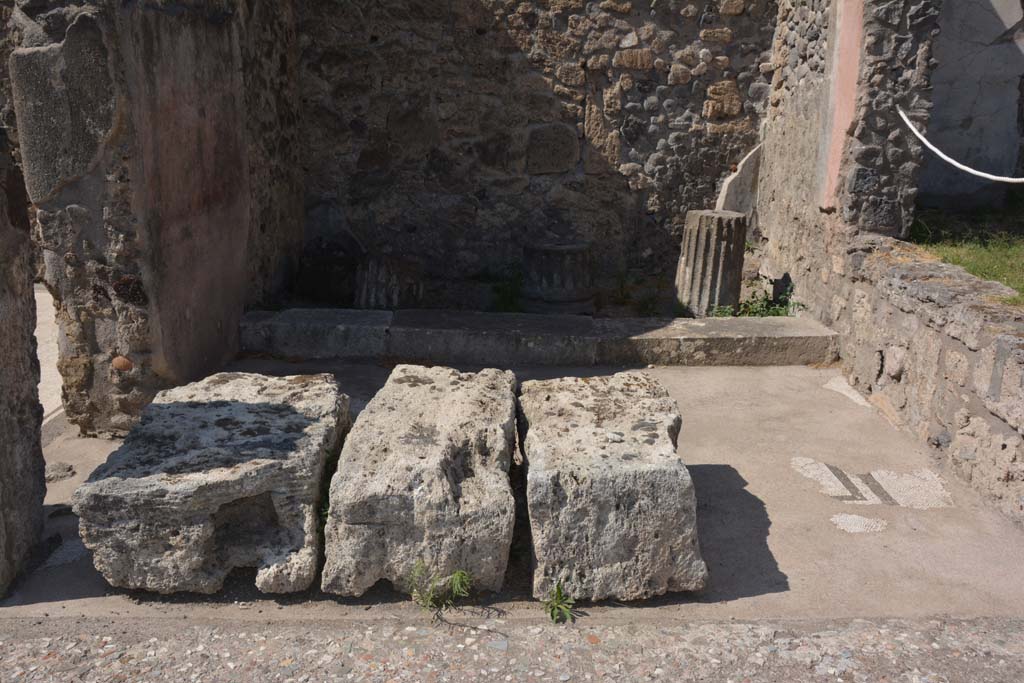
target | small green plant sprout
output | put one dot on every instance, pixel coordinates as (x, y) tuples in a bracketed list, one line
[(559, 606), (459, 585), (760, 306), (435, 593)]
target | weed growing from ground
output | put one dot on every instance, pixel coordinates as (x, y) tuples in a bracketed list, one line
[(437, 594), (559, 606), (760, 306)]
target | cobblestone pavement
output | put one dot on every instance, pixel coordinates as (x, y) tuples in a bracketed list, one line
[(464, 649)]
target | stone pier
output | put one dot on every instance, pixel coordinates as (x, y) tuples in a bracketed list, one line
[(22, 485), (710, 271)]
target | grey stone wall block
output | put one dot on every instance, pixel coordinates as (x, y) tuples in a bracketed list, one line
[(612, 507), (220, 474), (65, 103), (423, 477)]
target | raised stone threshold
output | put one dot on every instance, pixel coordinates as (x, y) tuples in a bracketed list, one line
[(511, 339)]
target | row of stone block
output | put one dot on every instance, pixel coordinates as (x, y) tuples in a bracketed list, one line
[(227, 473)]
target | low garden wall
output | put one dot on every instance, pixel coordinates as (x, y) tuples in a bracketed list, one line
[(939, 354)]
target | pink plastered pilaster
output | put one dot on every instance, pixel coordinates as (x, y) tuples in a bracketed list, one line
[(846, 60)]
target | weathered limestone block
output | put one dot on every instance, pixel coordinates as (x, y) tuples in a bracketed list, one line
[(220, 474), (424, 477), (64, 99), (711, 264), (22, 485), (612, 508)]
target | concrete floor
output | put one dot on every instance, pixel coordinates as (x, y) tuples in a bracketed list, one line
[(766, 529)]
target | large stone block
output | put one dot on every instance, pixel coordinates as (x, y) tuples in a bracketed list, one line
[(612, 507), (22, 485), (424, 477), (221, 474)]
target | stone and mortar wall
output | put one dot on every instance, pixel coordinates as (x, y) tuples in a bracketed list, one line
[(168, 148), (22, 486), (439, 138), (939, 355), (155, 146), (881, 166), (932, 347), (270, 62)]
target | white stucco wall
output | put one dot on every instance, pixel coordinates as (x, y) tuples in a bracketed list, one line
[(976, 96)]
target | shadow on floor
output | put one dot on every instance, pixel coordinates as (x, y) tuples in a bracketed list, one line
[(60, 568), (734, 526)]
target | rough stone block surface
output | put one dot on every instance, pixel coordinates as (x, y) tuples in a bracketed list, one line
[(220, 474), (22, 486), (612, 508), (424, 477)]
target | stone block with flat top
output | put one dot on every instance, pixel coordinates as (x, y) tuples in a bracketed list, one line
[(219, 475), (424, 478), (613, 512)]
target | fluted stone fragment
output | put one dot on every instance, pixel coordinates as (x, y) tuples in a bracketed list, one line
[(710, 271)]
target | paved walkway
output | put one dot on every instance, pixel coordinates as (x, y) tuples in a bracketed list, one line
[(46, 346), (87, 650)]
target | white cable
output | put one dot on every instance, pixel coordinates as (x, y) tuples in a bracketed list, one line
[(953, 162)]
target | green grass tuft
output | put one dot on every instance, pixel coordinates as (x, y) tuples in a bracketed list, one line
[(989, 246), (437, 594)]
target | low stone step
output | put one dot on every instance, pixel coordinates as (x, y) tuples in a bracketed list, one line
[(221, 474), (510, 339), (423, 481), (613, 513)]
